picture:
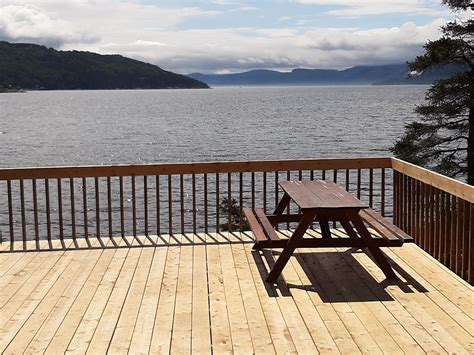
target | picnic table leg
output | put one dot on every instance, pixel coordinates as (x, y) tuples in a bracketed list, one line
[(285, 255), (325, 230), (380, 259), (285, 200)]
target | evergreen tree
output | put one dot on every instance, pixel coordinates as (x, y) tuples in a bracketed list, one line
[(443, 138)]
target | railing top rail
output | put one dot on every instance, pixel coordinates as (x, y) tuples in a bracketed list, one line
[(449, 185), (193, 168)]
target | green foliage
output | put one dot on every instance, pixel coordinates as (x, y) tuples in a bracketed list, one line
[(443, 137), (234, 215), (29, 66)]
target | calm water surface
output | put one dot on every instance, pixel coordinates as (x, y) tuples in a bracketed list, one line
[(110, 127)]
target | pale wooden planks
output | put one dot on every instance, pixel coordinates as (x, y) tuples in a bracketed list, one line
[(201, 329), (211, 297)]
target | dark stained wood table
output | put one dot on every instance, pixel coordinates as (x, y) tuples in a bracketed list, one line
[(324, 202)]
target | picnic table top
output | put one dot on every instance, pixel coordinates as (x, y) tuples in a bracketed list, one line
[(320, 194)]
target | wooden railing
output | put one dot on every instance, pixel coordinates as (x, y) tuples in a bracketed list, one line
[(101, 202), (104, 201), (438, 212)]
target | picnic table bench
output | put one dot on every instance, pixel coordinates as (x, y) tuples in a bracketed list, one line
[(324, 202)]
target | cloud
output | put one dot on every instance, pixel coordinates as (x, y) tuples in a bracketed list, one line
[(28, 24), (249, 48), (356, 8), (152, 33)]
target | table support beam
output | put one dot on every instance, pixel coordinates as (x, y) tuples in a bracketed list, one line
[(292, 244)]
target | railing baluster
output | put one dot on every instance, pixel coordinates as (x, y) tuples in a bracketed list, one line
[(48, 212), (206, 219), (60, 212), (447, 230), (277, 190), (334, 179), (371, 187), (241, 201), (417, 212), (23, 215), (122, 212), (454, 218), (359, 182), (194, 204), (323, 175), (134, 208), (10, 215), (170, 207), (253, 191), (437, 225), (97, 211), (158, 213), (109, 207), (229, 202), (395, 189), (73, 211), (145, 204), (35, 213), (181, 194), (431, 247), (264, 182), (382, 192), (347, 179), (109, 210), (218, 227), (459, 233), (470, 274), (442, 226), (465, 243), (84, 212), (288, 209)]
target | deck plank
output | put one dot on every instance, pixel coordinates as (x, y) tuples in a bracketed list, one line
[(182, 320), (143, 330), (163, 324), (221, 336), (28, 330), (205, 293), (86, 328), (201, 330), (277, 326), (108, 322), (258, 327), (122, 336), (66, 330)]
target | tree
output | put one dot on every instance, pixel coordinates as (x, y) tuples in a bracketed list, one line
[(234, 215), (443, 138)]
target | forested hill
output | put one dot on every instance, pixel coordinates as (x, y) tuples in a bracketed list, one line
[(34, 67)]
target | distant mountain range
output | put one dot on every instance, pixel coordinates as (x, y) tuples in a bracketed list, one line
[(396, 74), (34, 67)]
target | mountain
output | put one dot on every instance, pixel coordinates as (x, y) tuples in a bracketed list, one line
[(30, 66), (396, 74)]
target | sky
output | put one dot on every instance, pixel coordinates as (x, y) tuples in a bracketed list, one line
[(224, 36)]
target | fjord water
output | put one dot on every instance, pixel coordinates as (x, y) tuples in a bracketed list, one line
[(121, 127), (148, 126)]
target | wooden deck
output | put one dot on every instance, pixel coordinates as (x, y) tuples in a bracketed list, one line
[(205, 293)]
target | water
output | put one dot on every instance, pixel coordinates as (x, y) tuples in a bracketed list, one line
[(111, 127)]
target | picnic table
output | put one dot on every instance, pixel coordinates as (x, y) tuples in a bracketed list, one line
[(324, 202)]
